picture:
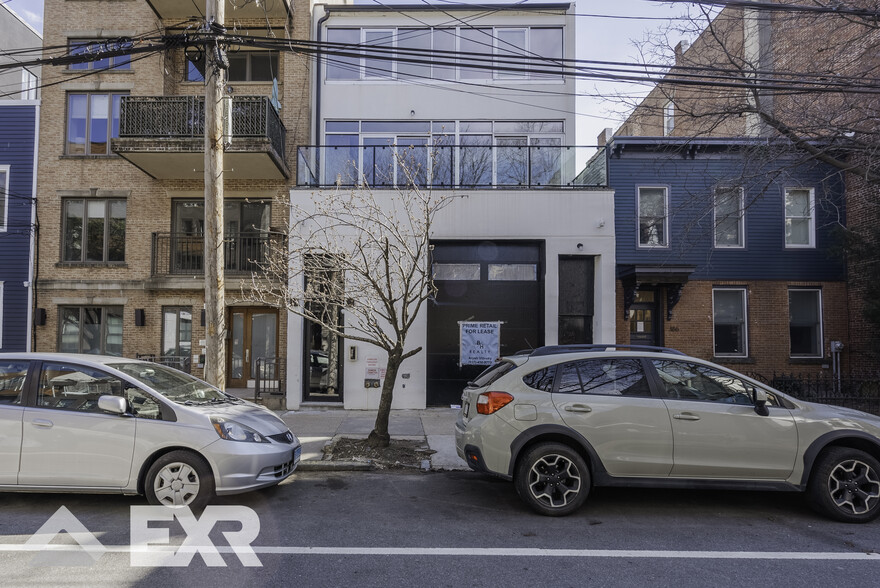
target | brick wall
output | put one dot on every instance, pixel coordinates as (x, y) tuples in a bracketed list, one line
[(691, 329), (148, 200)]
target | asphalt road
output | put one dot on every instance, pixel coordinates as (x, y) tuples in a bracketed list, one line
[(456, 529)]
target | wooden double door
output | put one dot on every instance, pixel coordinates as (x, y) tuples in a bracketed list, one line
[(253, 336)]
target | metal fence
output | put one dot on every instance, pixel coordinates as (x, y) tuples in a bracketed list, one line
[(180, 362), (152, 117), (183, 254), (857, 391), (270, 377)]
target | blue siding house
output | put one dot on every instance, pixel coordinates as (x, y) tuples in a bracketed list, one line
[(18, 141), (727, 249)]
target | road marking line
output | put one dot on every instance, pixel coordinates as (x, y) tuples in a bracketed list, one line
[(480, 552)]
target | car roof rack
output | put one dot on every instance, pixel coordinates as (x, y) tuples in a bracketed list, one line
[(556, 349)]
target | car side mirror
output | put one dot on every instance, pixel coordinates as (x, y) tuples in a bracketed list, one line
[(113, 404), (760, 397)]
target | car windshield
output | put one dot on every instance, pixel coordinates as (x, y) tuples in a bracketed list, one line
[(172, 384)]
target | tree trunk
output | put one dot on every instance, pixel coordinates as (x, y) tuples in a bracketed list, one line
[(379, 436)]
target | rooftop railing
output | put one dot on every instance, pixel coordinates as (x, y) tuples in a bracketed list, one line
[(452, 166)]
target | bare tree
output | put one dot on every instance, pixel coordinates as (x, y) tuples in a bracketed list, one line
[(357, 266), (810, 77), (801, 78)]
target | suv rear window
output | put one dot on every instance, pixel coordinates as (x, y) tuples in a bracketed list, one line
[(491, 374), (541, 379)]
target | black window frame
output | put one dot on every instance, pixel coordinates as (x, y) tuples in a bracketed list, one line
[(78, 46), (819, 325), (83, 245), (106, 310), (112, 133), (743, 326), (194, 67)]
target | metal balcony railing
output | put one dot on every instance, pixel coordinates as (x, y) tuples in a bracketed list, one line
[(180, 362), (451, 166), (183, 254), (156, 117)]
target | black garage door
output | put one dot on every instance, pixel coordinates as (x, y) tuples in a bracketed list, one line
[(481, 281)]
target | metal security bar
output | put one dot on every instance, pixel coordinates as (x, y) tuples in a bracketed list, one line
[(270, 377)]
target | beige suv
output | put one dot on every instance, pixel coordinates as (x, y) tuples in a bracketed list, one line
[(561, 419)]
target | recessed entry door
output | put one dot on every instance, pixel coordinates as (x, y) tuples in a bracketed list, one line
[(645, 326), (484, 281), (254, 336)]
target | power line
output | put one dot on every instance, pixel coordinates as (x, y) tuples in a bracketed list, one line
[(780, 7)]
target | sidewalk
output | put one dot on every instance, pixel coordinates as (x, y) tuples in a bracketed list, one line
[(318, 426)]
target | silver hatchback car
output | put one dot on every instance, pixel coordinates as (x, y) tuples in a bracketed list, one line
[(85, 423), (560, 420)]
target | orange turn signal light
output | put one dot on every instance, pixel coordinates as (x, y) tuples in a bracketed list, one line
[(489, 402)]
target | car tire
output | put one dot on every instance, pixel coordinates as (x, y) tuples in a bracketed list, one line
[(553, 479), (845, 485), (180, 478)]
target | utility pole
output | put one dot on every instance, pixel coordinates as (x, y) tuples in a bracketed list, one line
[(215, 297)]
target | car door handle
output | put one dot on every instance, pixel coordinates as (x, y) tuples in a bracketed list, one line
[(578, 408), (686, 416), (42, 423)]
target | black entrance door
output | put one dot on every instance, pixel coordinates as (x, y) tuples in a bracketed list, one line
[(576, 285), (481, 281), (645, 327)]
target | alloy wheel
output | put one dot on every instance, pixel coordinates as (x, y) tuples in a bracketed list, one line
[(854, 486), (554, 480)]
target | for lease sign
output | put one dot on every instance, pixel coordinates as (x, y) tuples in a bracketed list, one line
[(479, 342)]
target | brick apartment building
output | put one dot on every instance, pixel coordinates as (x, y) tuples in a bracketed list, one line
[(793, 47), (121, 190)]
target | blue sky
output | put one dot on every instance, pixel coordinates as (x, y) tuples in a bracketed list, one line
[(31, 11)]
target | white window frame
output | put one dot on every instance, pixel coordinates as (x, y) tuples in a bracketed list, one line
[(745, 305), (821, 333), (528, 60), (29, 83), (741, 225), (665, 243), (812, 217), (500, 49), (4, 198), (391, 72), (668, 118)]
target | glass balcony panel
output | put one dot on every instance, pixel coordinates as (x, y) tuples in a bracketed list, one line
[(378, 162), (437, 162), (412, 157), (475, 160), (545, 165), (512, 163), (341, 160), (443, 163)]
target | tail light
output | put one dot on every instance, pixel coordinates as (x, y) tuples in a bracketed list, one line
[(489, 402)]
